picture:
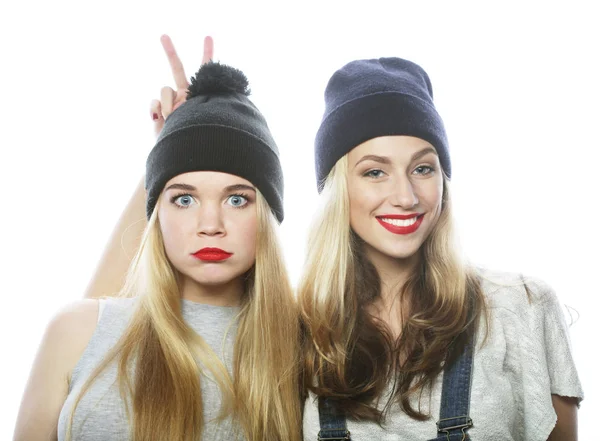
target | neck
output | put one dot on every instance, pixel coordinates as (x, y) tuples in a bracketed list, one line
[(228, 294), (393, 274)]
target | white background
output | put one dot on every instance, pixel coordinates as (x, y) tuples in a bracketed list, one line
[(516, 84)]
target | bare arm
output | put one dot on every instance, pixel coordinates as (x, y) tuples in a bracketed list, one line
[(124, 242), (63, 343), (566, 424)]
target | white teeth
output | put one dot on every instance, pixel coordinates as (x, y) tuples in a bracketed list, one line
[(400, 222)]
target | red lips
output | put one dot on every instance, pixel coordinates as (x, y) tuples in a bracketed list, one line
[(212, 254), (396, 229)]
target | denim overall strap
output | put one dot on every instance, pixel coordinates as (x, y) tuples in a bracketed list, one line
[(454, 406), (332, 421), (456, 397)]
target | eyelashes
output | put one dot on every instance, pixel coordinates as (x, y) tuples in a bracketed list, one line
[(420, 170), (242, 200), (178, 199), (371, 173), (429, 169), (185, 200)]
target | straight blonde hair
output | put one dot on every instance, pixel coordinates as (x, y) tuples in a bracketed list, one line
[(160, 358)]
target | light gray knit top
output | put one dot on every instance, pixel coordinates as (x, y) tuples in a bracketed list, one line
[(100, 415), (525, 359)]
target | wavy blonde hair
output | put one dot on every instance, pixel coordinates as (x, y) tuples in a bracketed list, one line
[(163, 397), (350, 355)]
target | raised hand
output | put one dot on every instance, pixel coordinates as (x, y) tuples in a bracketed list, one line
[(171, 99)]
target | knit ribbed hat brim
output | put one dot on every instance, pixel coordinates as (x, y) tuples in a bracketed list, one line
[(372, 116)]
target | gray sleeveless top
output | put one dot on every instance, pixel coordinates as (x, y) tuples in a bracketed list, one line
[(100, 415)]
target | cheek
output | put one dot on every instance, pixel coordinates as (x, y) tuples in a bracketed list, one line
[(242, 232), (430, 196), (172, 229), (362, 203), (249, 236)]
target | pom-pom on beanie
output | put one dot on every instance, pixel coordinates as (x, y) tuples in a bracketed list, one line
[(218, 128)]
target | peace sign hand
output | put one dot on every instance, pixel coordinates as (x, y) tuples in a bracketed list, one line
[(171, 99)]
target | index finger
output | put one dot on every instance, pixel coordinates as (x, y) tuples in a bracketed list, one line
[(209, 48), (176, 65)]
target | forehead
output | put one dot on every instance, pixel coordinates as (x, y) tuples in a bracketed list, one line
[(208, 180), (390, 146)]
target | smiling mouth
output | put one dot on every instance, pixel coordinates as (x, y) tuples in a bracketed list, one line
[(401, 224)]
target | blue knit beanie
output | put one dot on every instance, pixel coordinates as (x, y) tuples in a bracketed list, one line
[(366, 99)]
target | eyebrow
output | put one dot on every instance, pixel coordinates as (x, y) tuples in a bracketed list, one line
[(387, 161), (238, 187), (380, 159), (181, 187), (187, 187), (422, 153)]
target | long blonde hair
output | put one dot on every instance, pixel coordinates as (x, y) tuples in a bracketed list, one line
[(164, 398), (349, 354)]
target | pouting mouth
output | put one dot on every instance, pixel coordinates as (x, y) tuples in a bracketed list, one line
[(210, 250)]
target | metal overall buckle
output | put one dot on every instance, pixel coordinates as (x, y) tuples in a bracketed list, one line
[(345, 437), (462, 427)]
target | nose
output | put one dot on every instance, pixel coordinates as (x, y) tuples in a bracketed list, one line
[(403, 194), (210, 220)]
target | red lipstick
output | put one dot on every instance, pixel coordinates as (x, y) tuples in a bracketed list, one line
[(212, 254), (397, 229)]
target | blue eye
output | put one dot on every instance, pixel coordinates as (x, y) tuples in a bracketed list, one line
[(183, 201), (376, 173), (237, 200), (423, 170)]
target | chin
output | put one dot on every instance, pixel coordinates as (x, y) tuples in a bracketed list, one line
[(213, 282), (401, 254), (220, 275)]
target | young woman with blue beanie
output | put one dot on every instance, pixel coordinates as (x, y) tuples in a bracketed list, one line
[(404, 339)]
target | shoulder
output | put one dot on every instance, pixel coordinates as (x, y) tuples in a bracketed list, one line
[(515, 291), (72, 327), (66, 336), (77, 321), (525, 309), (87, 328), (76, 316)]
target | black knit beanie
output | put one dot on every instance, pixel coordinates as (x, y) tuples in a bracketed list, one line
[(217, 129), (366, 99)]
